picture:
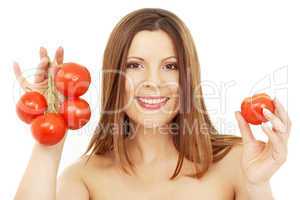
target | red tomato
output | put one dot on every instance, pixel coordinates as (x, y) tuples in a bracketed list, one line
[(48, 129), (251, 108), (72, 80), (31, 105), (76, 112)]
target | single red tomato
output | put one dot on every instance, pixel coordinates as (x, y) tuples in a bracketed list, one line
[(76, 112), (252, 108), (48, 129), (31, 105), (72, 80)]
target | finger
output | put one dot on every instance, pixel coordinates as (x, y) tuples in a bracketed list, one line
[(282, 113), (42, 70), (272, 135), (54, 70), (244, 127), (41, 73), (275, 121), (43, 52), (59, 57), (278, 145), (20, 78)]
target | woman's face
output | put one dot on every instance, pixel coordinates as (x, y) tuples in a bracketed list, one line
[(151, 71)]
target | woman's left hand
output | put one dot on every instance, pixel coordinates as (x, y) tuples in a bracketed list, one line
[(261, 160)]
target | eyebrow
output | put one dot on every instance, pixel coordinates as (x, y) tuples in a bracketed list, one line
[(139, 58)]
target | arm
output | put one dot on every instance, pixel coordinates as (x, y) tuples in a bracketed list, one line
[(39, 179)]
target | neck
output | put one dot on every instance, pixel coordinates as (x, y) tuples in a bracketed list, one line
[(150, 145)]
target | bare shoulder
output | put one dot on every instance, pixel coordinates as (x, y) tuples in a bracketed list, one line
[(70, 179), (235, 154), (75, 169), (230, 165), (73, 177), (232, 158)]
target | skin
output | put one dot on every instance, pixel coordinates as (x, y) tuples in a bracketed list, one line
[(151, 62), (244, 173)]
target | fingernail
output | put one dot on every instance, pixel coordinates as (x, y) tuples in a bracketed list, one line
[(15, 63), (266, 112)]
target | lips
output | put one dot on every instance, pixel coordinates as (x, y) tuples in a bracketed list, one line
[(152, 102)]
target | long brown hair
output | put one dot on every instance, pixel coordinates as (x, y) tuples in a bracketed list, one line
[(202, 145)]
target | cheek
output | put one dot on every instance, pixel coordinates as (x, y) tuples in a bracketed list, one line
[(172, 83), (131, 85), (128, 88), (174, 95), (173, 89)]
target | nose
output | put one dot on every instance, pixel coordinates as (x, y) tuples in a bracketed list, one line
[(152, 78)]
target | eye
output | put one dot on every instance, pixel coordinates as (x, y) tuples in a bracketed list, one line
[(132, 65), (172, 66)]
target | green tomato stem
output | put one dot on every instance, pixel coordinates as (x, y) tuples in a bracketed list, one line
[(51, 95)]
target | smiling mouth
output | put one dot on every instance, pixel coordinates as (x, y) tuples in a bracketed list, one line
[(152, 102)]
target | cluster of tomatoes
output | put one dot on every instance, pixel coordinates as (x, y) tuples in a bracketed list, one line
[(49, 126)]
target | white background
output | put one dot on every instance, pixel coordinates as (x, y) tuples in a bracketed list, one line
[(246, 46)]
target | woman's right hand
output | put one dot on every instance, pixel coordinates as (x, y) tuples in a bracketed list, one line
[(40, 83)]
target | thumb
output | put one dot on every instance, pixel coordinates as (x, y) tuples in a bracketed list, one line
[(244, 127)]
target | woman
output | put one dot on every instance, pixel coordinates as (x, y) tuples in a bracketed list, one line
[(154, 139)]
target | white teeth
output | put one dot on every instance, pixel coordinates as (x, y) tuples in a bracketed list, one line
[(152, 101)]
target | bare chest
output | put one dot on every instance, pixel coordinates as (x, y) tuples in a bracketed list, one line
[(114, 187)]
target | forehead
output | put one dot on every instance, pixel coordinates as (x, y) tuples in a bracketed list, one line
[(150, 44)]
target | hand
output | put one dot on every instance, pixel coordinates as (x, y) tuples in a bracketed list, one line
[(40, 83), (261, 160)]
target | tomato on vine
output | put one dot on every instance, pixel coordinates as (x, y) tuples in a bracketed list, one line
[(76, 112), (31, 105), (48, 129), (252, 108), (72, 80)]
